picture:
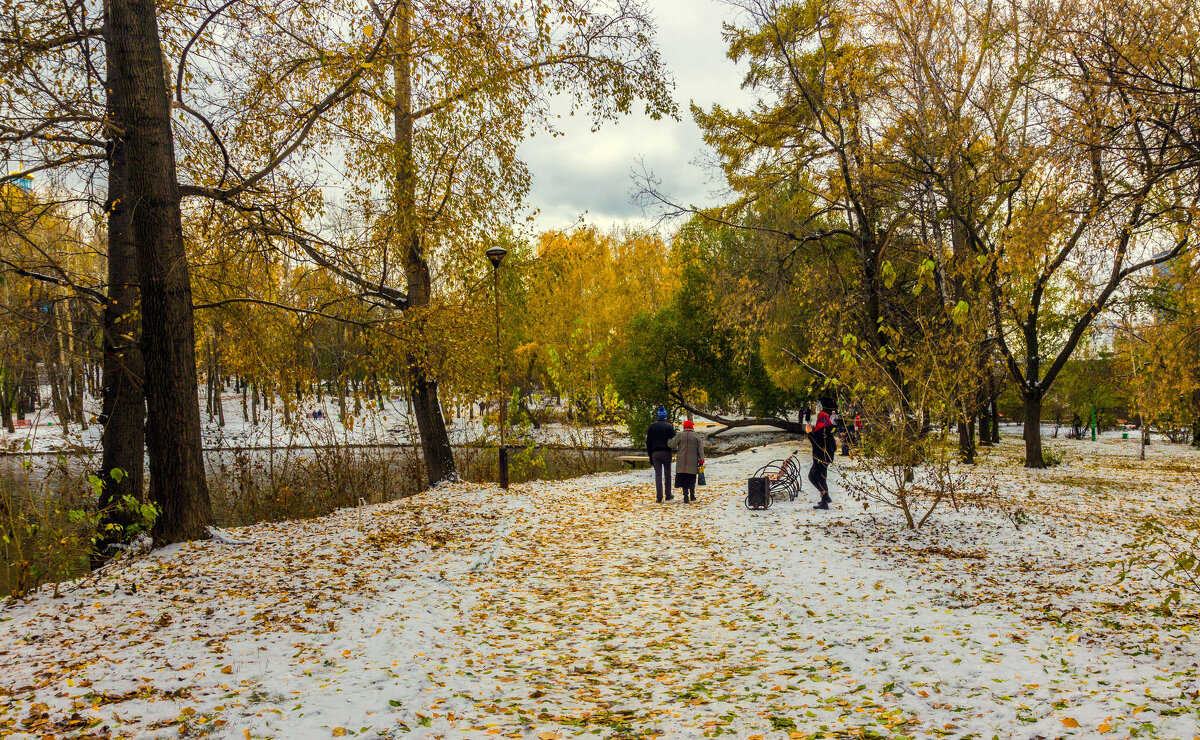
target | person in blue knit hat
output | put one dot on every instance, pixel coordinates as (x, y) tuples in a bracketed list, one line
[(658, 449)]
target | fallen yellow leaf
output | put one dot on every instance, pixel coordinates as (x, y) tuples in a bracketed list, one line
[(227, 670), (548, 735), (339, 732), (1104, 727), (1069, 722)]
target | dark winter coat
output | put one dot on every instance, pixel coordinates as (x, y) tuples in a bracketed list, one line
[(823, 443), (658, 437)]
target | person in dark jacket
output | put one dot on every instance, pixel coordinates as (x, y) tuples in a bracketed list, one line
[(824, 446), (658, 449)]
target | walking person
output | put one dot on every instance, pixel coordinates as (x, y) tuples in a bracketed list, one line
[(658, 449), (690, 447), (824, 446)]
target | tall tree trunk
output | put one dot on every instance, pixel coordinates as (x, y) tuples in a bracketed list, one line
[(60, 382), (254, 403), (57, 400), (994, 404), (177, 483), (218, 380), (966, 440), (435, 441), (985, 417), (210, 380), (8, 393), (1033, 431), (123, 405), (76, 372), (1196, 417)]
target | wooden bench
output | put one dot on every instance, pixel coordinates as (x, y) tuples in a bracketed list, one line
[(633, 460), (19, 423)]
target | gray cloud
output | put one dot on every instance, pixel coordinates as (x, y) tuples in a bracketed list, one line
[(586, 172)]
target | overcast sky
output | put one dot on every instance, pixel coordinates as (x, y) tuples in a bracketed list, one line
[(585, 174)]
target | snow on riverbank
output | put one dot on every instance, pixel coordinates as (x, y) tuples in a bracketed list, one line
[(314, 423), (581, 607)]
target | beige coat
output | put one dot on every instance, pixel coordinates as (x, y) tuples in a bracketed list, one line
[(690, 449)]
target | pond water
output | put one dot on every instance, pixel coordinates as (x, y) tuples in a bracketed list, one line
[(246, 486)]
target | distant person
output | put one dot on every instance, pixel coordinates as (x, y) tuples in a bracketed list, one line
[(658, 449), (824, 447), (690, 447)]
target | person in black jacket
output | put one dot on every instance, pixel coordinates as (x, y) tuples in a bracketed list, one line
[(824, 446), (658, 449)]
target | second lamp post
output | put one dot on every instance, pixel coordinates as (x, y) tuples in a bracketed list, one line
[(496, 255)]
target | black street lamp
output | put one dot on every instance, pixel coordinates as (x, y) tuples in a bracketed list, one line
[(496, 255)]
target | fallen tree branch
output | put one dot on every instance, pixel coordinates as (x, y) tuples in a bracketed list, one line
[(794, 427)]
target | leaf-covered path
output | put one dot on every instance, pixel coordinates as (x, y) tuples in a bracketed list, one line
[(583, 609), (612, 613)]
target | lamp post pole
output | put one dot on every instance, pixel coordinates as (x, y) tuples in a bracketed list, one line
[(496, 255)]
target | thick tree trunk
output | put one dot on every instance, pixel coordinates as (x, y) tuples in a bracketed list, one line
[(985, 421), (435, 442), (1033, 431), (218, 380), (75, 373), (177, 483), (1196, 418), (59, 392), (57, 400), (966, 441), (123, 405), (8, 392)]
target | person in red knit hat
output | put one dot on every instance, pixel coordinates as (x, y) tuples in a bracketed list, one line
[(689, 447), (824, 447)]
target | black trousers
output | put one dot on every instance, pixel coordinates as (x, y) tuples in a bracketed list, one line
[(661, 460), (817, 474), (687, 482)]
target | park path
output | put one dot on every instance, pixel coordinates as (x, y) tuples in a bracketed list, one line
[(606, 612), (582, 609)]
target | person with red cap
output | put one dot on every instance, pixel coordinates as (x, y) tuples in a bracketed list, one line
[(689, 447), (824, 447)]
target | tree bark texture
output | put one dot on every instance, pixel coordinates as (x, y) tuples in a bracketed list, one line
[(423, 388), (1033, 431), (177, 482), (123, 404)]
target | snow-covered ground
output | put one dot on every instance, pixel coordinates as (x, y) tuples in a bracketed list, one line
[(582, 608), (390, 425)]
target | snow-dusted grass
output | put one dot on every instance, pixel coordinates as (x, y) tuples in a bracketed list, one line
[(388, 425), (583, 608)]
